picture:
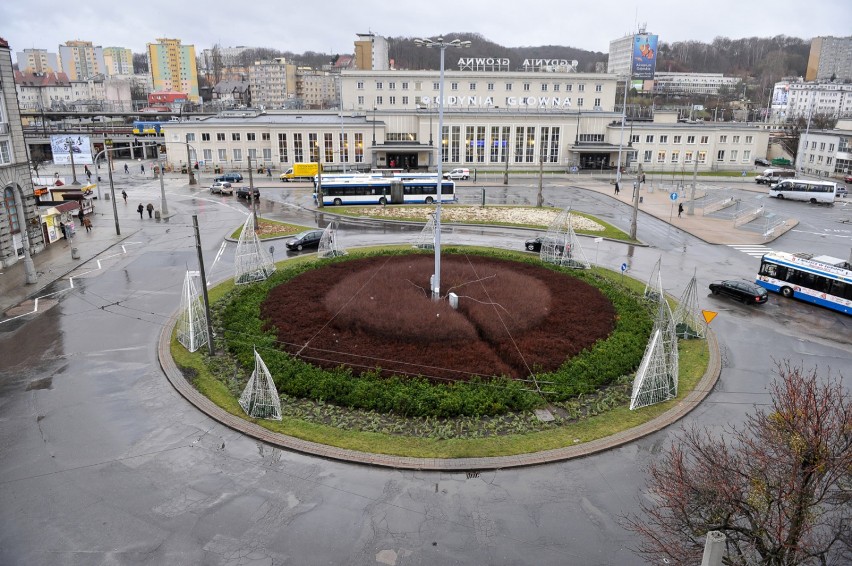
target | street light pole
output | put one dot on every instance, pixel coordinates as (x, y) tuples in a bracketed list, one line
[(442, 45), (69, 143), (164, 209), (188, 163)]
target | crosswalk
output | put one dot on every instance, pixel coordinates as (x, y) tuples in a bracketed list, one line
[(752, 250)]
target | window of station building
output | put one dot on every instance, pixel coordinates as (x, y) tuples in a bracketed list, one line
[(676, 139), (223, 155), (264, 136), (343, 143), (734, 155), (250, 136), (190, 137), (456, 144), (705, 139), (690, 139), (391, 85), (454, 86), (581, 87), (404, 85), (556, 87), (822, 146), (313, 146), (646, 156), (664, 138), (379, 85), (723, 139), (359, 148), (746, 155), (594, 138), (675, 156), (205, 137), (472, 86), (267, 154), (527, 87), (469, 144), (220, 136), (405, 101), (720, 155), (436, 86), (480, 144), (598, 88), (735, 139), (392, 100), (328, 147), (661, 156), (634, 138), (379, 101), (508, 86), (568, 87), (298, 149), (235, 136), (687, 157), (519, 144), (579, 102), (749, 139), (360, 85), (208, 154), (252, 153), (543, 87), (238, 154), (649, 138), (360, 101), (702, 157), (490, 86)]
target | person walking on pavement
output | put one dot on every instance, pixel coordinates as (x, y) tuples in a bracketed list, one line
[(124, 195), (142, 167), (88, 224), (679, 209), (126, 169), (140, 209), (616, 187), (150, 208), (80, 214)]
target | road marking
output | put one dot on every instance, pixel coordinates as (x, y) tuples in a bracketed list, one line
[(752, 250)]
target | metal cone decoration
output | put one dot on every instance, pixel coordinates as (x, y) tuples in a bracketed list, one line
[(560, 244), (329, 245), (192, 321), (251, 262), (657, 378), (687, 318), (426, 238), (260, 397)]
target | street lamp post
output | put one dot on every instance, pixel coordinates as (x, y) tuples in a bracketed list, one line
[(69, 143), (442, 45), (188, 163)]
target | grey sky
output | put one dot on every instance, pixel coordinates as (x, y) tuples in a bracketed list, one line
[(330, 26)]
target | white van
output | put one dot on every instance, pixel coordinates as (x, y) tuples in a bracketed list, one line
[(459, 173), (772, 176), (815, 192)]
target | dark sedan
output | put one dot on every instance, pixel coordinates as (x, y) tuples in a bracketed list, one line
[(745, 291), (244, 192), (231, 177), (534, 245), (304, 240)]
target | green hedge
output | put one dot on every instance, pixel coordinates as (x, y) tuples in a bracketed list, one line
[(619, 354)]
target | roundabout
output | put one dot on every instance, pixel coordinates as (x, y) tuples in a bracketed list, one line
[(583, 334)]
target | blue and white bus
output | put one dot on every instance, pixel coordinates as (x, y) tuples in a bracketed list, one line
[(822, 280), (367, 190)]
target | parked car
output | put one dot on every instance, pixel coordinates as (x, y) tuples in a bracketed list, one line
[(231, 177), (847, 179), (745, 291), (244, 192), (534, 245), (762, 161), (842, 192), (459, 173), (303, 240), (221, 187)]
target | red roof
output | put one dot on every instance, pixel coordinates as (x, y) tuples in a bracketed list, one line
[(41, 79)]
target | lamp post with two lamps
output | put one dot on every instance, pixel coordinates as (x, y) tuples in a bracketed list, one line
[(69, 143), (439, 43)]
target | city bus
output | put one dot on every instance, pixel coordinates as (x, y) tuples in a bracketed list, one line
[(817, 192), (368, 190), (821, 280)]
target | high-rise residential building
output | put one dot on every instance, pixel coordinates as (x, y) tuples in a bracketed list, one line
[(268, 82), (37, 61), (634, 55), (20, 226), (620, 51), (830, 58), (317, 89), (81, 60), (371, 53), (118, 61), (172, 67)]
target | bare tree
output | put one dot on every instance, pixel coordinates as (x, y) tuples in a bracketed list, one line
[(778, 488), (796, 126)]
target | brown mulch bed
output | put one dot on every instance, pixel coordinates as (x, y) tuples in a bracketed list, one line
[(376, 313)]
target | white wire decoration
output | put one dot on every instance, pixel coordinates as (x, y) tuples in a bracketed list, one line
[(654, 286), (426, 238), (560, 244), (688, 322), (329, 244), (192, 320), (251, 262), (657, 378), (260, 397)]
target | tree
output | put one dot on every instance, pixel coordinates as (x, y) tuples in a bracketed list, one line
[(140, 63), (795, 127), (778, 488)]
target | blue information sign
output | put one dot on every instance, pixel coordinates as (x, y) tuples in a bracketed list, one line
[(673, 196), (623, 267)]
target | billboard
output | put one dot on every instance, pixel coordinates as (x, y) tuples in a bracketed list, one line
[(644, 60), (62, 145)]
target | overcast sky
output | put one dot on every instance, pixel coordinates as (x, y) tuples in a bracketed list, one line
[(330, 26)]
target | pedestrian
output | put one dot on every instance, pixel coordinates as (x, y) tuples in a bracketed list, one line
[(80, 214), (616, 187), (88, 224), (89, 175), (679, 209), (150, 208), (126, 170), (140, 209), (142, 168), (64, 232), (268, 172), (124, 195)]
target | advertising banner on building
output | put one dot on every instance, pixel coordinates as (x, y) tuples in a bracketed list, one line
[(644, 56), (61, 146)]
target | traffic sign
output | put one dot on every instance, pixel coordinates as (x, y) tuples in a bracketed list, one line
[(623, 267), (673, 196), (709, 316)]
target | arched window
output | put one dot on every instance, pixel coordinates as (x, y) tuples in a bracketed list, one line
[(11, 209)]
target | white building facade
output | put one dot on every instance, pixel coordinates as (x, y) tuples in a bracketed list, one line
[(693, 83)]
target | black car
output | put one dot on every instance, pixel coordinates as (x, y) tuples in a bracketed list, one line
[(244, 192), (745, 291), (534, 245), (232, 177), (303, 240), (762, 161)]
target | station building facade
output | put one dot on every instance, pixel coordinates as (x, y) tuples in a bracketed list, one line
[(493, 119)]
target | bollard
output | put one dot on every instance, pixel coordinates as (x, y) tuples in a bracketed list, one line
[(106, 196), (157, 215), (75, 253), (641, 199)]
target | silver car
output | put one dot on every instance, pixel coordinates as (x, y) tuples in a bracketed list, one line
[(222, 188)]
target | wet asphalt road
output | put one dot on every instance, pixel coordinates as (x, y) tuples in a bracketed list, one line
[(103, 463)]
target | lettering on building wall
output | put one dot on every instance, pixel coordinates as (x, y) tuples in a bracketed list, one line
[(503, 63), (545, 102)]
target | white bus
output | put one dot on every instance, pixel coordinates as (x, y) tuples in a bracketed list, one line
[(366, 190), (821, 280), (822, 192)]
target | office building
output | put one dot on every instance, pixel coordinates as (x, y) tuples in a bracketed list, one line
[(827, 153), (118, 61), (830, 59), (172, 67), (701, 84), (81, 60), (20, 227), (37, 61)]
